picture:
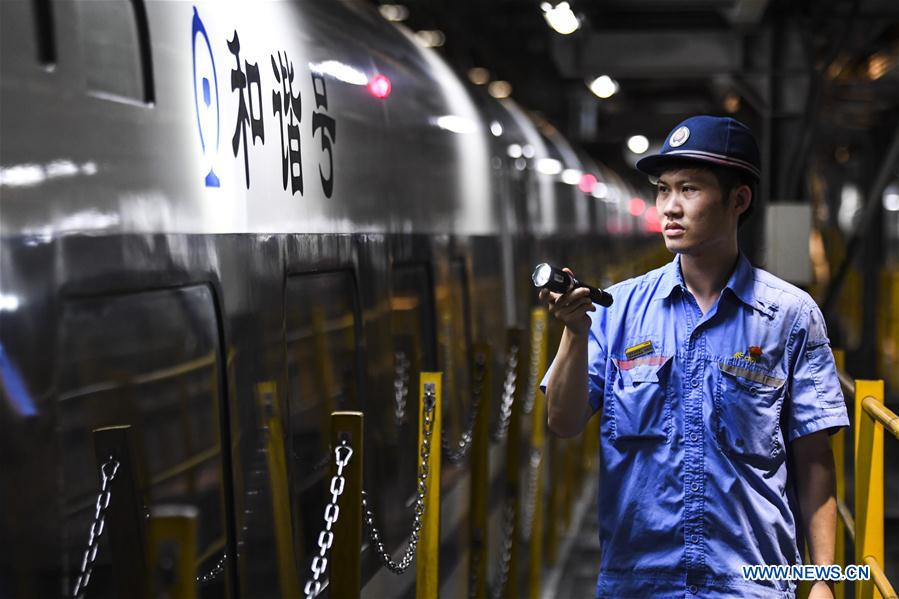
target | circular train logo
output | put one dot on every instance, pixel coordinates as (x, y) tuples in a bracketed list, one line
[(679, 137), (206, 98)]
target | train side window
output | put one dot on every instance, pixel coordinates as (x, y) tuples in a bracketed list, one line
[(322, 376), (149, 360), (414, 350), (454, 333), (115, 41)]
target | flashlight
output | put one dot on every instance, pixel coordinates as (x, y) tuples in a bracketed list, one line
[(555, 279)]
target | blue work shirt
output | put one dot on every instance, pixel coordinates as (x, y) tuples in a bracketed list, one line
[(697, 413)]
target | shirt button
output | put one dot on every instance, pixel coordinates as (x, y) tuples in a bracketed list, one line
[(694, 437), (695, 382), (694, 538), (694, 486), (693, 589)]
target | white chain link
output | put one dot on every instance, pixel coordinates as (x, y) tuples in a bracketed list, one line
[(531, 490), (536, 338), (499, 588), (456, 455), (342, 455), (107, 474), (400, 385), (509, 384), (427, 418)]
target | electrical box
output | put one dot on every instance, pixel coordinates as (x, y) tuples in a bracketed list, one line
[(788, 227)]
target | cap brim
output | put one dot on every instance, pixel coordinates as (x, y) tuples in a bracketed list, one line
[(655, 165)]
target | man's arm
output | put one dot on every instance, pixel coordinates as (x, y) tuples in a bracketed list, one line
[(816, 481), (568, 408), (566, 391)]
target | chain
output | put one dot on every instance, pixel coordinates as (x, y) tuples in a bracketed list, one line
[(107, 474), (215, 571), (342, 455), (531, 494), (509, 383), (536, 338), (455, 456), (400, 385), (508, 539), (368, 516)]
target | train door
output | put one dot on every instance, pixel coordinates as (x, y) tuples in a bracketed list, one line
[(150, 360)]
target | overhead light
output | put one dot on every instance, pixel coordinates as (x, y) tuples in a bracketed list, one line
[(394, 12), (500, 89), (587, 183), (879, 64), (479, 75), (732, 103), (600, 190), (549, 166), (637, 206), (496, 128), (638, 144), (514, 151), (561, 18), (528, 151), (430, 38), (604, 87), (891, 198), (8, 303), (571, 176)]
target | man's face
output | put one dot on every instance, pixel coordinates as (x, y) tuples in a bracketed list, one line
[(694, 218)]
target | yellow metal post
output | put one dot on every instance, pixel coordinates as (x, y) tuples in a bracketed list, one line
[(868, 485), (838, 445), (270, 415), (480, 474), (513, 464), (172, 538), (427, 554), (345, 580), (538, 442)]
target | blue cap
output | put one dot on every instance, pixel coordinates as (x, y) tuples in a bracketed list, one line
[(717, 140)]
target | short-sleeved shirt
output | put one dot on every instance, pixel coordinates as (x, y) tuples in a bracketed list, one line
[(697, 413)]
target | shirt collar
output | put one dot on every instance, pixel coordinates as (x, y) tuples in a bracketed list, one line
[(740, 283)]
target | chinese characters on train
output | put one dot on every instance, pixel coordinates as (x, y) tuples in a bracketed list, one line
[(249, 127)]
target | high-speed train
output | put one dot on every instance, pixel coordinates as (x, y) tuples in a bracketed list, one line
[(223, 221)]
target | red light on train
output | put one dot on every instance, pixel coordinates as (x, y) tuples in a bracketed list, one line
[(651, 220), (637, 206), (587, 183), (379, 86)]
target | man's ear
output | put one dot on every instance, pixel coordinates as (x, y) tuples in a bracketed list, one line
[(742, 196)]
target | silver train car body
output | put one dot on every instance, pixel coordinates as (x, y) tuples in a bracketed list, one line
[(217, 226)]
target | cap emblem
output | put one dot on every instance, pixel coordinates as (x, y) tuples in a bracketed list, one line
[(679, 137)]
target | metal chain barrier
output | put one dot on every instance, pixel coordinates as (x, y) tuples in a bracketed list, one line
[(533, 374), (496, 591), (214, 572), (400, 385), (368, 516), (107, 474), (509, 384), (456, 455), (342, 455), (531, 490)]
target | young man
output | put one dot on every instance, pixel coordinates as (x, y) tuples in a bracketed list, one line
[(716, 389)]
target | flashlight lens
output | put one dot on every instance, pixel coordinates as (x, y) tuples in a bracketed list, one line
[(542, 274)]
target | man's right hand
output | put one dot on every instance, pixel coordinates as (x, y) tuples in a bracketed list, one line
[(570, 307)]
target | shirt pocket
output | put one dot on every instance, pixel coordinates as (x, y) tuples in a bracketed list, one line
[(639, 402), (748, 402)]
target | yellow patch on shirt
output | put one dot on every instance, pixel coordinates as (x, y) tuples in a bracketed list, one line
[(641, 349)]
